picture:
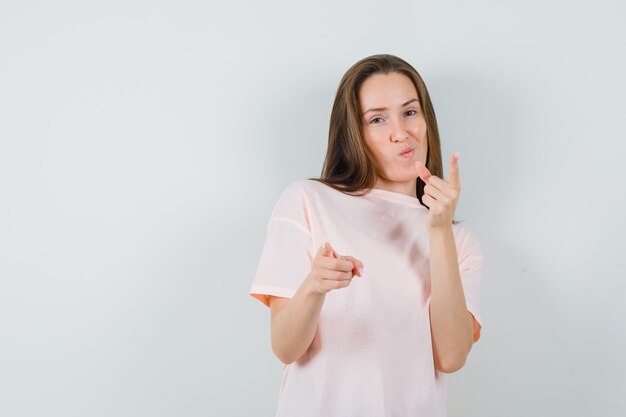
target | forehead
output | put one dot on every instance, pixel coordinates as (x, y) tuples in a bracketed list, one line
[(386, 90)]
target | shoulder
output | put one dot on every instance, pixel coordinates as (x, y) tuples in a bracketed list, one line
[(307, 185), (294, 200), (466, 241), (311, 195), (303, 189)]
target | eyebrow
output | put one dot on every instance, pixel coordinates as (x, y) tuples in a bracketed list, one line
[(385, 108)]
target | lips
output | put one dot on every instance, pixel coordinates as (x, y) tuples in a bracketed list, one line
[(407, 152)]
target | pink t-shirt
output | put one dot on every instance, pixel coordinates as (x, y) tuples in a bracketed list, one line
[(372, 353)]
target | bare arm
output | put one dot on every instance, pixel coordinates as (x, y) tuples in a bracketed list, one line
[(295, 320), (452, 325)]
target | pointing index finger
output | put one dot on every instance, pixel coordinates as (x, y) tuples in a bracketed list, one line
[(454, 177)]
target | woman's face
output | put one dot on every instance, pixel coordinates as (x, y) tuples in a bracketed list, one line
[(394, 129)]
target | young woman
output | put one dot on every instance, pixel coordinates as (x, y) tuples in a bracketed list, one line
[(373, 287)]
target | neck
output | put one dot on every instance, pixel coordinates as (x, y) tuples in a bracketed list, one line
[(407, 188)]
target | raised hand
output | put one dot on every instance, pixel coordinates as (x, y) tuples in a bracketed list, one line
[(441, 196), (331, 271)]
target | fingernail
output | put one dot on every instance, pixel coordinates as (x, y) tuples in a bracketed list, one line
[(456, 155)]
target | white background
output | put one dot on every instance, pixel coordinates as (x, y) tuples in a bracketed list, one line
[(143, 145)]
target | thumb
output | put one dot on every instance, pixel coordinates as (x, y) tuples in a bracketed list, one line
[(422, 171), (328, 250), (322, 251)]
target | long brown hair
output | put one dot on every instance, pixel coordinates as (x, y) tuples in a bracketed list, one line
[(349, 163)]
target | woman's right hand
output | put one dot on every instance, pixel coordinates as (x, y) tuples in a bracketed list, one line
[(331, 271)]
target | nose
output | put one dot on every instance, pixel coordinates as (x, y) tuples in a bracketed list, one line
[(398, 132)]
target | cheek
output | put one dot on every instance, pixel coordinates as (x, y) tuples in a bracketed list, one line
[(420, 133), (419, 129), (376, 145)]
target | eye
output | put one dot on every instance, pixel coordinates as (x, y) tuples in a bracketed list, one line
[(376, 120), (410, 113)]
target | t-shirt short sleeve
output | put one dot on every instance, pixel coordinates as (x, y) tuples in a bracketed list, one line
[(471, 270), (287, 255)]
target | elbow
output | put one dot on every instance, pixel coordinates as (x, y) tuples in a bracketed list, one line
[(284, 358), (451, 365), (284, 355), (450, 362)]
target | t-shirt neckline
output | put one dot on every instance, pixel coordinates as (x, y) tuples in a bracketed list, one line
[(395, 197)]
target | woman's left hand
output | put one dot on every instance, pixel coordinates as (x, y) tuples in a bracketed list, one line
[(440, 196)]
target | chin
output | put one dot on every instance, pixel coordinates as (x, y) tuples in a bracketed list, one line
[(402, 178)]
